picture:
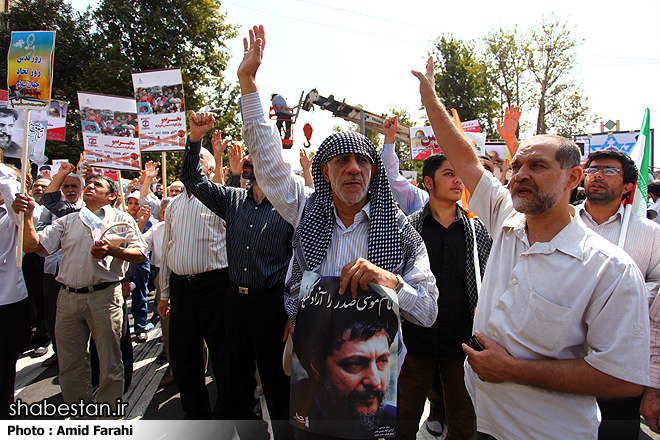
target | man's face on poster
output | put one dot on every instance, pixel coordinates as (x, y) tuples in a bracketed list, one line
[(6, 126), (357, 376)]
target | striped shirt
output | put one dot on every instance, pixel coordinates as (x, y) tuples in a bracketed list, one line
[(287, 192), (258, 238), (643, 245), (194, 241)]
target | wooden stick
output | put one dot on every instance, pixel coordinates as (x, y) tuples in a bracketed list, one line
[(121, 192), (163, 170), (25, 165)]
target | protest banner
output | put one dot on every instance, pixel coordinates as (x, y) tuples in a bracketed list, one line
[(57, 120), (110, 132), (161, 112), (345, 363), (423, 142), (12, 126), (29, 80), (30, 69)]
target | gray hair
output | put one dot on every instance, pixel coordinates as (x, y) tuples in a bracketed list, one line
[(81, 181)]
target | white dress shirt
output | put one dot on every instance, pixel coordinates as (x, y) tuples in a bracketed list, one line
[(194, 241), (575, 297), (12, 287)]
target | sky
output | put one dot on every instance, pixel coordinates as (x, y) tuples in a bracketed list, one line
[(362, 51)]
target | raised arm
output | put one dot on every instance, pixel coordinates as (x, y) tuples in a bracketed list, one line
[(455, 146), (275, 176), (212, 195), (219, 146), (306, 164), (408, 196), (507, 128)]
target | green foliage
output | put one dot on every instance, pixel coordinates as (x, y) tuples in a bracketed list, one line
[(402, 149), (73, 52), (96, 51), (461, 81)]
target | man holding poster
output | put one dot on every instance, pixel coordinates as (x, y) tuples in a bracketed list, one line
[(349, 226)]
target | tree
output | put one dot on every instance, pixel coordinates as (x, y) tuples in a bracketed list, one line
[(507, 53), (402, 149), (151, 34), (461, 81), (73, 52), (551, 61)]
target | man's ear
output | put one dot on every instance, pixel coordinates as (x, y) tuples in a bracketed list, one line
[(324, 171), (374, 170), (574, 178), (627, 187), (428, 183)]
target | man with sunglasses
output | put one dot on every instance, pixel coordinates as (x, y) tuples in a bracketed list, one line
[(609, 178)]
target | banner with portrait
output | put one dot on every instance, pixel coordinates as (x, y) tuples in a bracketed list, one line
[(345, 362), (12, 124), (161, 110), (110, 131), (57, 120), (423, 142), (30, 69)]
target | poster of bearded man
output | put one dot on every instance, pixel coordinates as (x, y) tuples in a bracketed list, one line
[(345, 363)]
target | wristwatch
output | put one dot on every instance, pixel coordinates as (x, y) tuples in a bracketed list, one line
[(399, 286)]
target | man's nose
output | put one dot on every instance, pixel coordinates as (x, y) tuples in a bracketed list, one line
[(353, 166), (371, 376)]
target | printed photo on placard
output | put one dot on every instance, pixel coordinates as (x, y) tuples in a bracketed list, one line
[(11, 131), (345, 362), (161, 110), (110, 132)]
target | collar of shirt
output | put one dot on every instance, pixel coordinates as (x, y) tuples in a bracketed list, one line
[(617, 217), (566, 241), (360, 217), (427, 213)]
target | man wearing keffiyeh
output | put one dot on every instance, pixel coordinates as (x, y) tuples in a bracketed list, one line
[(351, 213), (349, 226)]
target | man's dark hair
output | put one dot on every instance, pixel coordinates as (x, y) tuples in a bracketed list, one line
[(654, 187), (628, 166), (113, 187), (432, 163), (4, 112)]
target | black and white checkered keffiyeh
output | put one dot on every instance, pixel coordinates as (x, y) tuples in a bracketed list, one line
[(388, 245)]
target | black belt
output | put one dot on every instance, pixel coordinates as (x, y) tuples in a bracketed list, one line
[(258, 290), (199, 276), (91, 289)]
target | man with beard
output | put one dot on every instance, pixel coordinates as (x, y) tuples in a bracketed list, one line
[(347, 359), (610, 176), (7, 120), (562, 315), (347, 226), (258, 251)]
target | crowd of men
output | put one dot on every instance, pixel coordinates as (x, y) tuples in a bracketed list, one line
[(521, 317)]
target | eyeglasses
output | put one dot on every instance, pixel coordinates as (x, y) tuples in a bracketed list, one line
[(607, 171)]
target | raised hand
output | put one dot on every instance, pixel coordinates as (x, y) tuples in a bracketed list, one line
[(150, 172), (507, 128), (253, 53), (218, 143), (390, 126), (200, 123), (65, 169), (305, 161), (46, 174), (426, 82), (236, 159)]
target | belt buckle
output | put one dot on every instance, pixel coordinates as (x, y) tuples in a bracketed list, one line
[(243, 290), (191, 278)]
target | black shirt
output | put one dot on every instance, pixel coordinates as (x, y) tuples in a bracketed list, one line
[(448, 255)]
